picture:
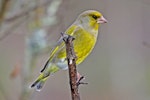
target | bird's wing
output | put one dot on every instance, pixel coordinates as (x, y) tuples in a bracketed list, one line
[(59, 45), (56, 48)]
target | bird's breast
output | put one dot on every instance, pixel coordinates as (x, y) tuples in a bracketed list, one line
[(83, 44)]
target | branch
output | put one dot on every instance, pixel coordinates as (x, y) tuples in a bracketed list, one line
[(4, 7), (71, 57)]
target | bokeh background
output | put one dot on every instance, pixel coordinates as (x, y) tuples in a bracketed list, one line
[(117, 69)]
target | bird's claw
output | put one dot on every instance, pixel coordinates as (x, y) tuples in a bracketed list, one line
[(79, 81)]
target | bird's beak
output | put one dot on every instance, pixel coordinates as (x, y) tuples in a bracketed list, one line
[(101, 20)]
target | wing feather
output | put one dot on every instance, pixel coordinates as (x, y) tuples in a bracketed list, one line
[(59, 45)]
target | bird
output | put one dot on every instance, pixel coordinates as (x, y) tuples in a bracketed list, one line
[(85, 31)]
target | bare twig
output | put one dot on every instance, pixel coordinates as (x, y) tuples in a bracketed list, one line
[(71, 57)]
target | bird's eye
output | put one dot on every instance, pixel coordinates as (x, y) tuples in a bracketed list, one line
[(95, 17)]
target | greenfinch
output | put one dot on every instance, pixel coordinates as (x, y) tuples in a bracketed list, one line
[(85, 31)]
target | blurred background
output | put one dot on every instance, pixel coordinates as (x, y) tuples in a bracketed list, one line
[(117, 69)]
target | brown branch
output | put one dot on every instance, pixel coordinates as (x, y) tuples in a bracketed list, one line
[(3, 9), (71, 58)]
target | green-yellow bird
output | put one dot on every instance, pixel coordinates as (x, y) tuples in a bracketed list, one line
[(85, 31)]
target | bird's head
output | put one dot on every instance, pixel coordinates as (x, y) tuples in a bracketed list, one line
[(91, 19)]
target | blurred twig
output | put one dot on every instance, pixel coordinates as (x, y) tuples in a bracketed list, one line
[(4, 5), (12, 28), (146, 44), (21, 14), (27, 11)]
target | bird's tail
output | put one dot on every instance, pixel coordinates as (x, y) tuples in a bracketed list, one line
[(39, 83)]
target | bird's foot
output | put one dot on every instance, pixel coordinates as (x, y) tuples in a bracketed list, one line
[(79, 78)]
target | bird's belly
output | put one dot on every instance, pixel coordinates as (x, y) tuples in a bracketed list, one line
[(83, 48)]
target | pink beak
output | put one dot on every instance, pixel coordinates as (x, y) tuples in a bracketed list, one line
[(101, 20)]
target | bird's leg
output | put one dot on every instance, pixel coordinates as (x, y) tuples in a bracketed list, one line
[(79, 78)]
